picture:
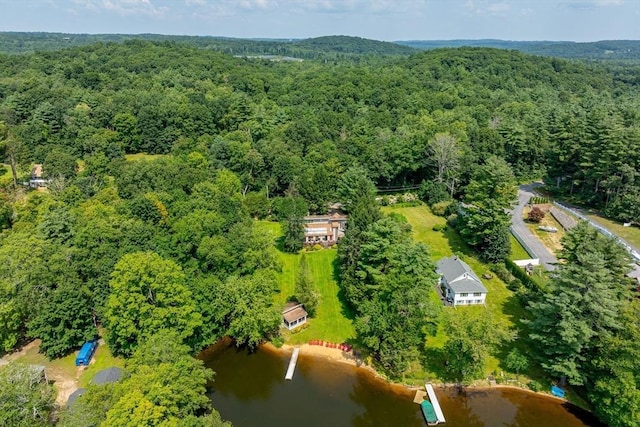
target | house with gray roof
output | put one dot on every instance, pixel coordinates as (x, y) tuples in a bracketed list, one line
[(459, 284)]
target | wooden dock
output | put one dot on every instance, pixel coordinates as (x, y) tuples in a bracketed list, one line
[(292, 364), (419, 397), (434, 401)]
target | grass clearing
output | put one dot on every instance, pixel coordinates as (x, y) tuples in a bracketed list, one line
[(630, 234), (333, 322), (550, 240), (63, 372), (6, 177), (142, 156)]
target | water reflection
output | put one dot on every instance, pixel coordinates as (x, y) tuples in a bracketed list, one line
[(250, 390)]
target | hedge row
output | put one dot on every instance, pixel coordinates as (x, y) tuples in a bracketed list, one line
[(527, 281)]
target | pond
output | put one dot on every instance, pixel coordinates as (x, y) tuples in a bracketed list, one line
[(250, 390)]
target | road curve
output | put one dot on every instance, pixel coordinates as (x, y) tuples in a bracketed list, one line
[(547, 259)]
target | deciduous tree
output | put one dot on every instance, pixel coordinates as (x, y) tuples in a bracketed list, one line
[(148, 294)]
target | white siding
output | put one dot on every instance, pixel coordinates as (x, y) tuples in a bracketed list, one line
[(470, 298)]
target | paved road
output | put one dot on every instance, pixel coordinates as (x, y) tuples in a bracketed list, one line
[(547, 259)]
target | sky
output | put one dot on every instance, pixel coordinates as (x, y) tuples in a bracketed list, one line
[(388, 20)]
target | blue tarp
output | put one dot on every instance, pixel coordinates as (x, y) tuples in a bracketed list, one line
[(86, 352), (557, 391)]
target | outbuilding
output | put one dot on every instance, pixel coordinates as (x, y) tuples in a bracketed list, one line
[(294, 315)]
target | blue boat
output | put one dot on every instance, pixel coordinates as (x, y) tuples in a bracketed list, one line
[(429, 413), (557, 391)]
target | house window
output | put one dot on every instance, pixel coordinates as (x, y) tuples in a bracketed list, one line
[(464, 294), (477, 294), (478, 301)]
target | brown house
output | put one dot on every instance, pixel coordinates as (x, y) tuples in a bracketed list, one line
[(324, 230)]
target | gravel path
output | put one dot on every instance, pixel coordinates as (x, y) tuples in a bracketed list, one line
[(547, 259)]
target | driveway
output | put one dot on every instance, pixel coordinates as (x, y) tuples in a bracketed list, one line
[(547, 259)]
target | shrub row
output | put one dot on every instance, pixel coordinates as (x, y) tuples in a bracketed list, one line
[(527, 281)]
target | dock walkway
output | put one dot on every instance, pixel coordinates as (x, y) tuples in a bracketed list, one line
[(434, 401), (292, 364)]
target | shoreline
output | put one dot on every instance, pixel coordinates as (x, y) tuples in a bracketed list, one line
[(335, 355)]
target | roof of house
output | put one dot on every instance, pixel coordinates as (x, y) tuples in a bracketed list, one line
[(106, 376), (459, 276), (36, 171), (293, 311), (635, 273), (327, 218)]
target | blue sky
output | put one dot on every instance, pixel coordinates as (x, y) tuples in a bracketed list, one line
[(575, 20)]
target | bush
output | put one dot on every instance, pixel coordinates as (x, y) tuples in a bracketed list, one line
[(534, 386), (433, 192), (501, 271), (452, 220), (439, 227), (440, 208), (535, 214), (409, 197), (453, 208), (277, 341), (300, 328), (538, 200), (527, 281)]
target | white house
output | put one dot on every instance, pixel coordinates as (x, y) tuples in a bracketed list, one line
[(294, 315), (459, 283)]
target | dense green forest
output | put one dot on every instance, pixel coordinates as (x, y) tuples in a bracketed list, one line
[(167, 242)]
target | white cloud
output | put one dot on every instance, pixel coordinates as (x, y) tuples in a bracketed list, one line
[(588, 4), (488, 7), (123, 7)]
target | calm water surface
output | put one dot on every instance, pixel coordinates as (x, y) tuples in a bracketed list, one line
[(250, 390)]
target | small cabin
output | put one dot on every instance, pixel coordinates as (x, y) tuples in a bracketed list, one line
[(294, 315), (36, 180), (86, 353)]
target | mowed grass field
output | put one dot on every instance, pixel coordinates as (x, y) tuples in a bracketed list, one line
[(501, 303), (332, 322), (630, 234)]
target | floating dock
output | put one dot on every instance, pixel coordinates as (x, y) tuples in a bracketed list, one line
[(292, 364), (434, 401)]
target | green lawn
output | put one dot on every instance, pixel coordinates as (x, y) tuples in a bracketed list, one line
[(501, 302), (517, 251), (332, 322), (630, 234), (5, 174)]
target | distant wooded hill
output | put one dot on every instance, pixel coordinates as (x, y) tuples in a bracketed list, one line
[(608, 49), (324, 47), (314, 48)]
